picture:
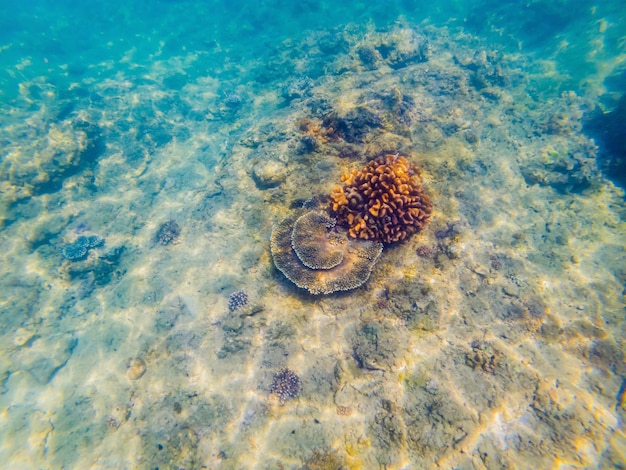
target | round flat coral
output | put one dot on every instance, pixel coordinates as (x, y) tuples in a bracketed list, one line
[(359, 258), (314, 242)]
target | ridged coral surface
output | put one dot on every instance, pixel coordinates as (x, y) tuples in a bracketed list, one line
[(330, 273), (384, 201)]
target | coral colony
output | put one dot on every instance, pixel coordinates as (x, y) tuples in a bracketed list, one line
[(384, 201), (314, 256), (168, 233), (286, 385), (237, 300), (79, 249), (325, 253)]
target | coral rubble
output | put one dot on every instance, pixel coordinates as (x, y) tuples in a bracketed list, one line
[(384, 201), (286, 385), (314, 255)]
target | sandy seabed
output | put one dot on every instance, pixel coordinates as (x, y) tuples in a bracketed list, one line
[(492, 339)]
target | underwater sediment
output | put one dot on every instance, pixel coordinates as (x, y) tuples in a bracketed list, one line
[(489, 337)]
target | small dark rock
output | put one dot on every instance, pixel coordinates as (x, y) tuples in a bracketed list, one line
[(353, 126), (496, 262), (367, 55), (425, 251), (233, 101), (168, 233), (308, 144), (452, 230), (233, 346), (297, 88), (471, 136)]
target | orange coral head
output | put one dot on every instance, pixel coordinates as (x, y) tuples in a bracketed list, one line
[(386, 201)]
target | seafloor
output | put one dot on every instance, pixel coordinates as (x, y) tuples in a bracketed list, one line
[(492, 339)]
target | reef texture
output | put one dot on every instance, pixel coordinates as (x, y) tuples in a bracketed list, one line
[(314, 255), (314, 243), (168, 233), (384, 201), (78, 249)]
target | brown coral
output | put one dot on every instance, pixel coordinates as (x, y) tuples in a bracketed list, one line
[(384, 201), (314, 243), (324, 261)]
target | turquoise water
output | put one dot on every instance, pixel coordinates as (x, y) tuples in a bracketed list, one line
[(155, 308)]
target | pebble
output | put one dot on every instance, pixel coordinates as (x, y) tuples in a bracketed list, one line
[(22, 336), (511, 290), (136, 368)]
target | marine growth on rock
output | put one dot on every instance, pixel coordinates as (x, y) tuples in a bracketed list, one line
[(168, 233), (384, 201)]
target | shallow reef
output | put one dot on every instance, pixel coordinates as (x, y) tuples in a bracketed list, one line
[(382, 203), (488, 335)]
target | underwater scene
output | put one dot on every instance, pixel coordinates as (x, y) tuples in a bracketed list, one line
[(308, 234)]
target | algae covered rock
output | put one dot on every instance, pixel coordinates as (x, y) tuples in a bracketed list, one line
[(269, 174), (53, 152), (46, 356), (168, 233), (378, 345)]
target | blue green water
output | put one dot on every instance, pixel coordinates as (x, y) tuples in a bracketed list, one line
[(83, 34), (150, 149)]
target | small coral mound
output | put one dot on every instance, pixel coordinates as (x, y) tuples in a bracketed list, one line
[(168, 233), (384, 201), (313, 243), (237, 300), (79, 248), (286, 385), (315, 256)]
